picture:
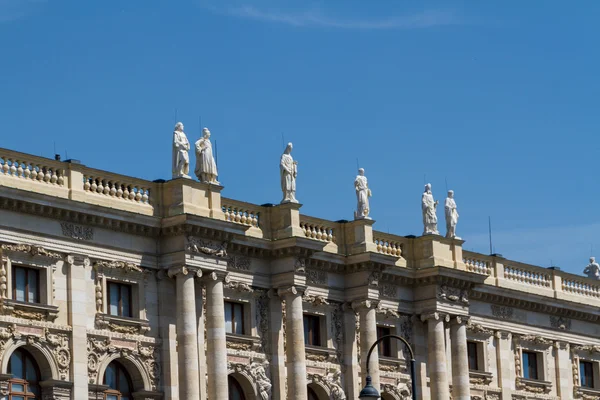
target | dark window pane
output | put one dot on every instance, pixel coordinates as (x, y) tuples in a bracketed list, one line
[(239, 318), (32, 280), (472, 355), (17, 364), (110, 376), (586, 369), (385, 346), (123, 382), (126, 301), (113, 301), (530, 365), (228, 317), (30, 370), (20, 284)]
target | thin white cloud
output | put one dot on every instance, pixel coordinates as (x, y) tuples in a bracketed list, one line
[(11, 10), (315, 18)]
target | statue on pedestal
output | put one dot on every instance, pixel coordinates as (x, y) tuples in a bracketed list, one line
[(362, 195), (181, 160), (451, 216), (593, 269), (288, 169), (429, 208), (206, 168)]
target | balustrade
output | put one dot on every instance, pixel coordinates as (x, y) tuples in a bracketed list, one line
[(240, 215), (578, 287), (318, 231), (40, 172), (527, 276), (477, 264), (389, 247), (116, 189)]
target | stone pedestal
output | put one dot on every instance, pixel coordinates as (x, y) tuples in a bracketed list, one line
[(216, 340), (187, 343), (461, 388), (437, 363), (296, 354), (368, 336)]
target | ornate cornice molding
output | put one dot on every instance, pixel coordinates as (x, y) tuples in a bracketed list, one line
[(124, 266), (32, 250)]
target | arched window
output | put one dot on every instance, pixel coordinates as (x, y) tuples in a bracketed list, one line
[(311, 394), (118, 382), (235, 389), (24, 384)]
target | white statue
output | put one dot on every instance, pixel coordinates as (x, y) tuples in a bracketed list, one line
[(181, 160), (593, 269), (451, 216), (362, 195), (206, 168), (288, 169), (429, 207)]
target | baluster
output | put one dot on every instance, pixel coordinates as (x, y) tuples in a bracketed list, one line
[(94, 186), (243, 218), (106, 187), (125, 192), (61, 178), (26, 171), (40, 172), (131, 193), (13, 169), (53, 177), (113, 191), (119, 190), (145, 196), (138, 195), (86, 183), (19, 169), (47, 176)]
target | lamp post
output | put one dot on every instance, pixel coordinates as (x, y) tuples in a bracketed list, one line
[(370, 392)]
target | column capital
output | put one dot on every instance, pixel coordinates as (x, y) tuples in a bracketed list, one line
[(78, 259), (217, 276), (364, 304), (503, 335), (561, 345), (290, 290), (172, 272), (459, 319), (436, 316)]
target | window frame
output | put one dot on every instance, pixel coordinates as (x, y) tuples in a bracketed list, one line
[(473, 355), (120, 309), (313, 331), (25, 394), (593, 367), (234, 319), (384, 348), (117, 392), (526, 366), (27, 270)]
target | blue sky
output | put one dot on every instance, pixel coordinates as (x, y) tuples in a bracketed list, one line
[(500, 99)]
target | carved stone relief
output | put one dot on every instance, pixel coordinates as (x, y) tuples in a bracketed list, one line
[(560, 323), (300, 265), (31, 250), (315, 300), (316, 277), (387, 290), (502, 312), (238, 286), (238, 262), (78, 232), (452, 294), (262, 322), (117, 265), (338, 332), (257, 372), (374, 278), (332, 381), (197, 245)]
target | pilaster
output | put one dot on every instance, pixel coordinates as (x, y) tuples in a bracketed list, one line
[(564, 370), (506, 370)]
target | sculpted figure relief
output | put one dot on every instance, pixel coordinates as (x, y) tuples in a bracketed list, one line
[(362, 195), (206, 168), (593, 269), (181, 146), (451, 216), (288, 169), (429, 208)]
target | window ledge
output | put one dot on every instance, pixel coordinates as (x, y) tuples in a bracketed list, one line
[(31, 311), (242, 342), (533, 385), (132, 326), (586, 393), (321, 354), (480, 377), (391, 364)]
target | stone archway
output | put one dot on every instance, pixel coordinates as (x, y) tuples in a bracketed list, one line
[(319, 391), (246, 385)]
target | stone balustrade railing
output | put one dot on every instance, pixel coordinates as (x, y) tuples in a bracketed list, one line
[(528, 276), (388, 244), (579, 287), (117, 189), (241, 213), (33, 169), (477, 263), (318, 229)]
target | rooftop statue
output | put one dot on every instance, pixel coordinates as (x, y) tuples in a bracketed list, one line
[(451, 216), (181, 160), (206, 168), (362, 195), (593, 269), (429, 208), (288, 168)]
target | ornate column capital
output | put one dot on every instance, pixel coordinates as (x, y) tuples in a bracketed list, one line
[(436, 316), (184, 270), (367, 304), (290, 290), (459, 319), (78, 259), (503, 335), (561, 345), (217, 276)]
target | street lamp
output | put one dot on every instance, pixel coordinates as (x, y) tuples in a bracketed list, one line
[(369, 391)]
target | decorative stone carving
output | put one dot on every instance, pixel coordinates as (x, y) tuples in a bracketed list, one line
[(288, 169), (387, 290), (206, 168), (98, 293), (118, 265), (257, 371), (593, 269), (78, 232), (533, 386), (31, 250), (316, 276), (338, 332), (181, 159), (99, 349), (478, 329), (374, 278), (315, 300), (387, 312), (453, 294), (589, 348), (120, 325), (197, 245), (362, 195), (238, 262), (300, 265), (429, 207), (35, 316), (262, 321), (238, 286), (451, 215), (399, 391), (332, 381), (532, 339), (3, 278), (502, 312), (560, 323)]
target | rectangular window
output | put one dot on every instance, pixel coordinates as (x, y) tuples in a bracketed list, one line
[(472, 355), (312, 330), (586, 372), (530, 366), (26, 284), (234, 318), (119, 299), (385, 346)]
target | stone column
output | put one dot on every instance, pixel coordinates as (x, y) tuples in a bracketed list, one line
[(350, 349), (368, 335), (437, 363), (216, 340), (461, 387), (506, 362), (187, 342), (201, 293), (78, 283), (296, 354)]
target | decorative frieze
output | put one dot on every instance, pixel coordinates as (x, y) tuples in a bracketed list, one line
[(238, 262), (533, 386), (117, 265), (560, 323), (32, 250), (453, 294), (78, 232), (502, 312), (478, 329), (197, 245), (316, 276), (262, 320), (128, 326), (387, 312), (337, 317), (532, 339), (389, 291), (374, 278)]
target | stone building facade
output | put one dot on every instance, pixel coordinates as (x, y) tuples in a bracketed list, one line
[(112, 287)]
